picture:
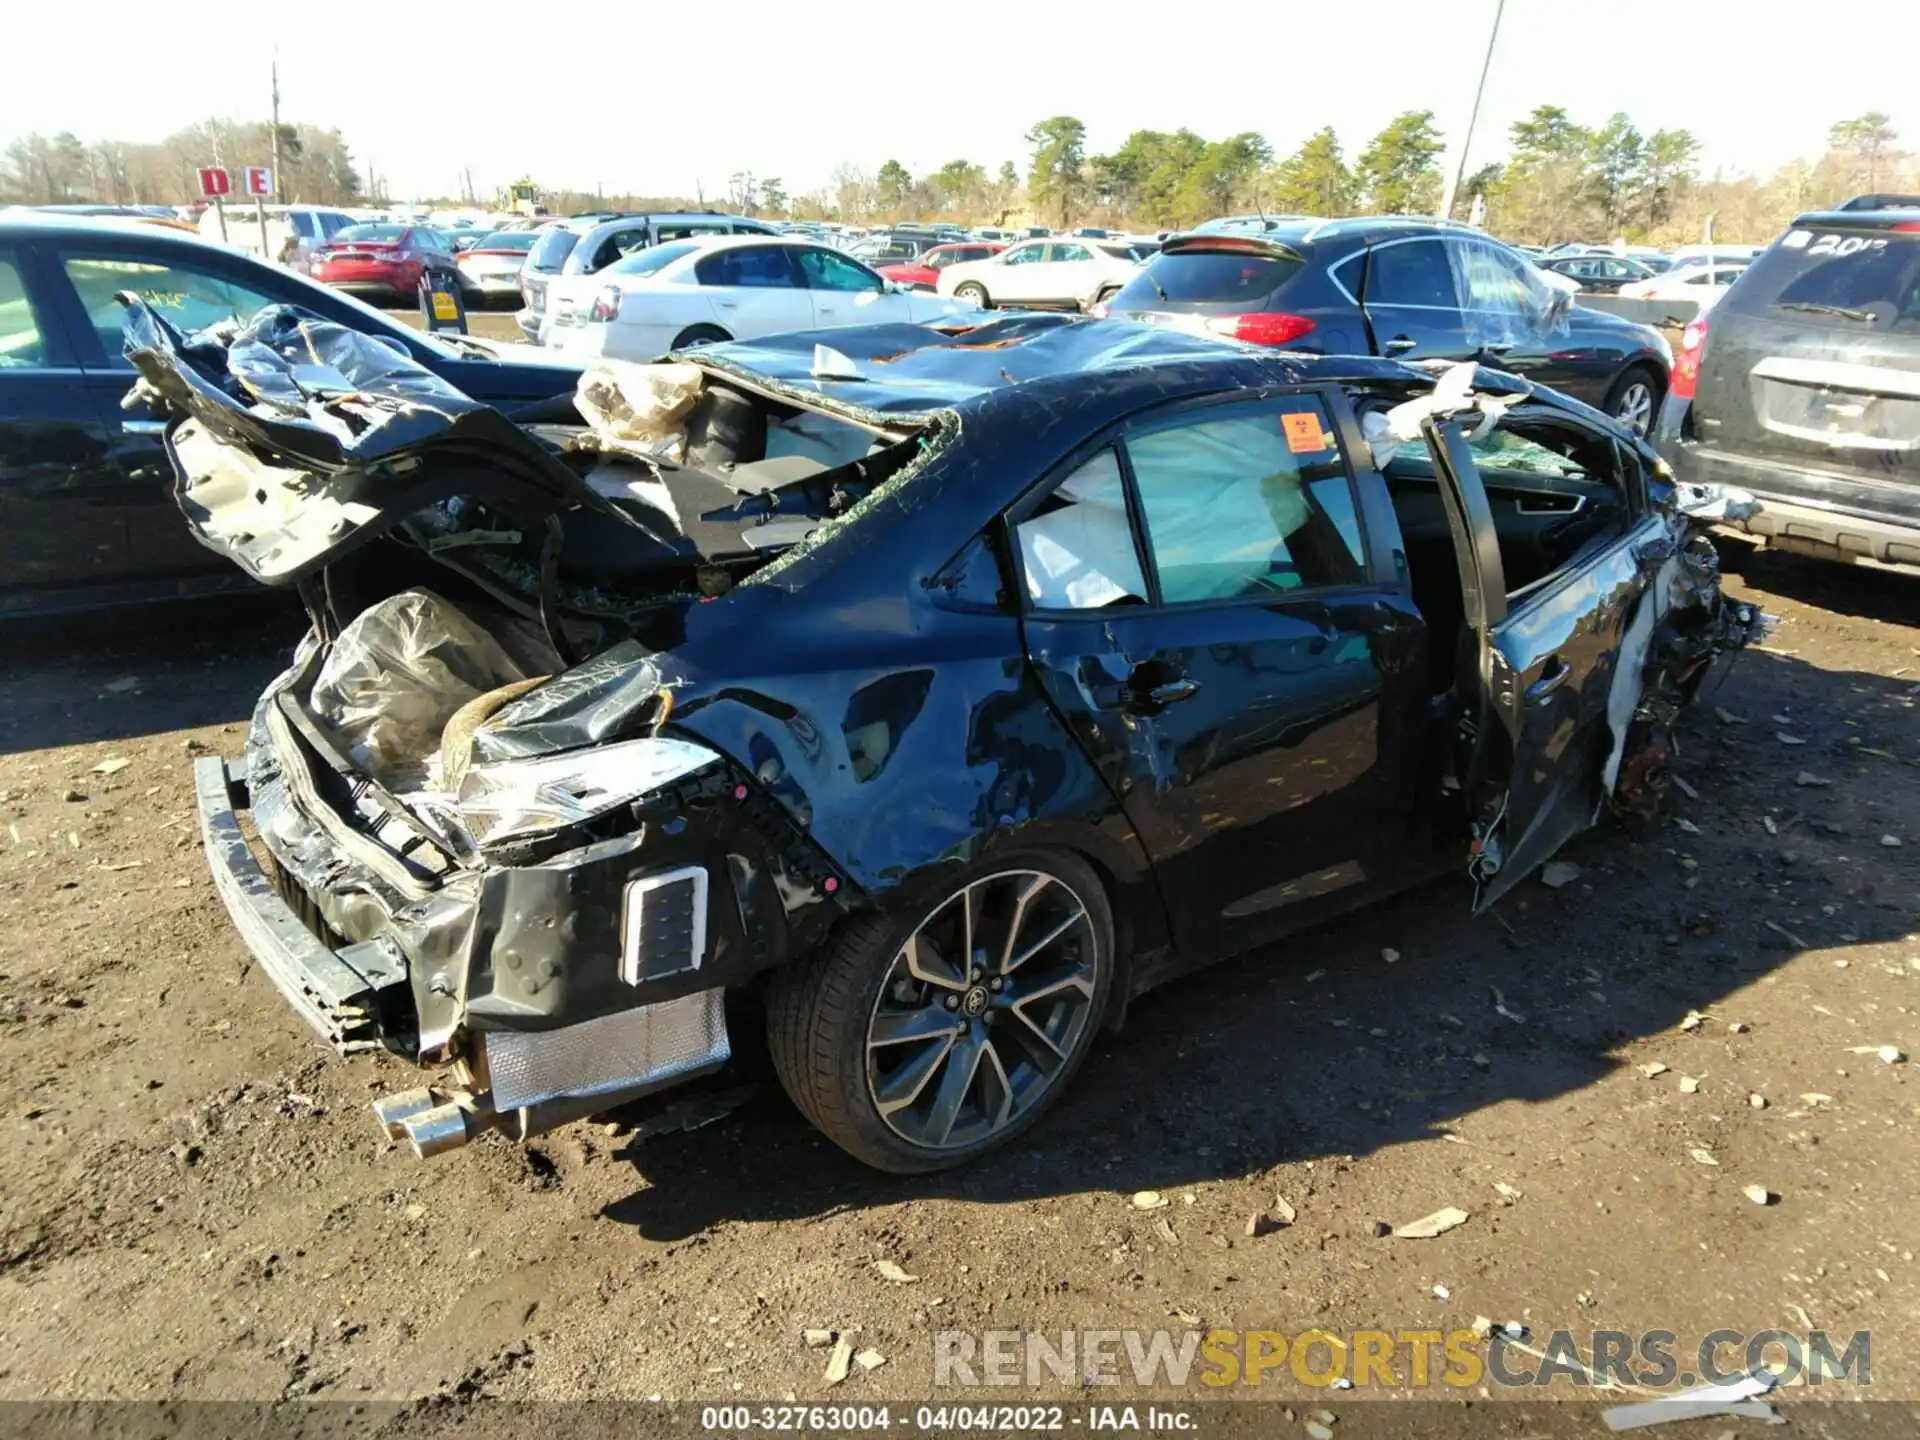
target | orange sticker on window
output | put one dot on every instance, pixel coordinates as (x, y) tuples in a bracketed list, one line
[(1304, 435)]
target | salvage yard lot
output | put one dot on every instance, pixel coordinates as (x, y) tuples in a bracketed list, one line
[(198, 1204)]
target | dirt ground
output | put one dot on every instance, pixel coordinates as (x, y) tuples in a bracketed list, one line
[(196, 1203)]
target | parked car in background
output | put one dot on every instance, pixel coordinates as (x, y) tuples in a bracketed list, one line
[(1803, 385), (995, 233), (603, 241), (922, 272), (86, 493), (294, 232), (552, 243), (490, 268), (706, 289), (1597, 274), (878, 250), (1404, 288), (386, 261), (1059, 273), (1703, 283), (1012, 674)]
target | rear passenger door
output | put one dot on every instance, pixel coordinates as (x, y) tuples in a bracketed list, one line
[(754, 290), (62, 499), (1200, 611), (1408, 295), (1071, 272)]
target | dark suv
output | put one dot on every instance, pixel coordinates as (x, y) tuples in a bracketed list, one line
[(1803, 385), (1405, 288)]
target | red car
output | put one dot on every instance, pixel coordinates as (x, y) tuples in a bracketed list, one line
[(921, 272), (383, 259)]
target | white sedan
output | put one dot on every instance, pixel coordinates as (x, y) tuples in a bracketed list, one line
[(724, 287), (1702, 281), (1061, 273)]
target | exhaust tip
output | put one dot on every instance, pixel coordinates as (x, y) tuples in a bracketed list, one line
[(436, 1130), (392, 1111)]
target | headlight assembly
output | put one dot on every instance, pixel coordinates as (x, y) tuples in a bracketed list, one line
[(543, 792)]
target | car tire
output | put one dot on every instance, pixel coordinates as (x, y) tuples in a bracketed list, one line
[(868, 1036), (1635, 399), (699, 335), (974, 293)]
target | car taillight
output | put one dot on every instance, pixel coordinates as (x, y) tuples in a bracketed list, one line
[(1907, 227), (1686, 365), (1262, 327), (606, 304)]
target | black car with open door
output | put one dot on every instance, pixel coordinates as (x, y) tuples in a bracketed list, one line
[(946, 689)]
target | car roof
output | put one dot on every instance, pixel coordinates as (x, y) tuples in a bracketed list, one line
[(915, 370), (39, 225)]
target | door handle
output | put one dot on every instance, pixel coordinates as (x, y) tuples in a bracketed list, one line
[(1551, 679), (1156, 698), (143, 427), (1399, 344)]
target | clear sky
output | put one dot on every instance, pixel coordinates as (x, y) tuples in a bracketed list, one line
[(653, 98)]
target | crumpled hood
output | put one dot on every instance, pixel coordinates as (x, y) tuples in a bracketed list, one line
[(296, 439)]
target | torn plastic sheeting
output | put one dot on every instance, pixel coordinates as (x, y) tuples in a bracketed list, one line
[(639, 409), (288, 368), (1499, 303), (397, 675), (1734, 1400), (1453, 394), (616, 693)]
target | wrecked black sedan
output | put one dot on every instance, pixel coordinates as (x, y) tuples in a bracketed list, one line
[(943, 690)]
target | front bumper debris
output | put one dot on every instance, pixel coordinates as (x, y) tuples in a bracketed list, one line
[(343, 994)]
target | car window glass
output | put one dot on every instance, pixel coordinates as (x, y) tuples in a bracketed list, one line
[(1495, 282), (20, 344), (1023, 255), (762, 267), (1414, 272), (189, 299), (1077, 549), (1869, 274), (654, 260), (1253, 501), (679, 230), (825, 270), (1071, 252)]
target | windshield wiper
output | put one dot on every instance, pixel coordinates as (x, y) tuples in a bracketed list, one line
[(1147, 275), (1865, 316)]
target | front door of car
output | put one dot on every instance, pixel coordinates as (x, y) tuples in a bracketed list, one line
[(1536, 682), (754, 290), (62, 500), (1505, 309), (845, 292), (190, 296), (1408, 295), (1200, 614)]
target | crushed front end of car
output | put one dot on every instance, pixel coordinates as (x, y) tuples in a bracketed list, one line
[(479, 840)]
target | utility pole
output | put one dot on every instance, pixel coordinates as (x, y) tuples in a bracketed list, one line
[(1466, 141), (279, 180)]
